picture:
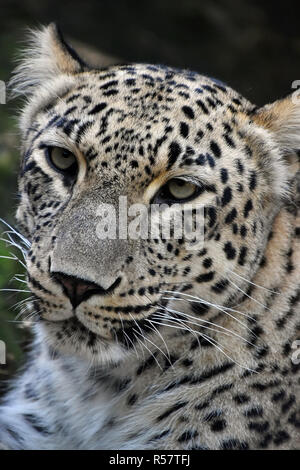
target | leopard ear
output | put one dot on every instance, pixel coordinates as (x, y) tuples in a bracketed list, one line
[(282, 119), (46, 56)]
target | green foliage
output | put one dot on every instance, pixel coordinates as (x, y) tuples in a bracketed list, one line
[(12, 333)]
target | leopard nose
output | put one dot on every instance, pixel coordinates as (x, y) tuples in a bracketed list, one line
[(78, 290)]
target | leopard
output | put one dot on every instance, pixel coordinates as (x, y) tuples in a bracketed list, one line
[(154, 342)]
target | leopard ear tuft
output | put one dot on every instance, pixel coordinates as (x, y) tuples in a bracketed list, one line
[(46, 56), (282, 119)]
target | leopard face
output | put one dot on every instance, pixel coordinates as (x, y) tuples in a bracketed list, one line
[(92, 136)]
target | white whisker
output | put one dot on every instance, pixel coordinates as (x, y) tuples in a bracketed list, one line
[(25, 241), (226, 331), (143, 344), (147, 339), (214, 343), (218, 307), (249, 296), (15, 290), (253, 283)]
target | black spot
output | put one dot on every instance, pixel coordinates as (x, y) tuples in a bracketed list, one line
[(287, 405), (254, 412), (187, 362), (110, 92), (219, 287), (258, 427), (202, 406), (36, 424), (215, 149), (72, 98), (210, 160), (262, 351), (171, 410), (199, 308), (218, 425), (187, 436), (221, 389), (132, 400), (99, 107), (242, 255), (184, 129), (229, 250), (252, 180), (229, 141), (212, 215), (108, 84), (130, 81), (278, 396), (239, 166), (261, 387), (266, 441), (280, 437), (241, 398), (248, 207), (200, 134), (207, 263), (188, 112), (212, 415), (224, 175), (14, 434), (201, 159), (202, 106), (294, 420), (156, 437), (231, 444), (174, 152), (231, 216), (192, 380), (81, 131), (227, 196), (30, 393), (146, 365), (243, 231), (206, 277), (201, 341)]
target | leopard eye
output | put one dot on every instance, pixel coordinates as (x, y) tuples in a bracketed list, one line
[(62, 160), (177, 190), (180, 189)]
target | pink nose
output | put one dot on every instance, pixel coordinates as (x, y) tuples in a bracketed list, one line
[(78, 290)]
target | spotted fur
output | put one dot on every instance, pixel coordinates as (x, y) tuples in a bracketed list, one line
[(191, 349)]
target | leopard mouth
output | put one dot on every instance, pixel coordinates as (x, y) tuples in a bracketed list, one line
[(91, 316), (83, 335), (76, 324)]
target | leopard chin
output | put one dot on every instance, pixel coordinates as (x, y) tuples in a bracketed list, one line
[(71, 337)]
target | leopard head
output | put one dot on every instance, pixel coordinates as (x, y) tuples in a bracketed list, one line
[(140, 135)]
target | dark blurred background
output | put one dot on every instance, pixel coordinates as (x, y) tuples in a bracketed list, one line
[(252, 45)]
